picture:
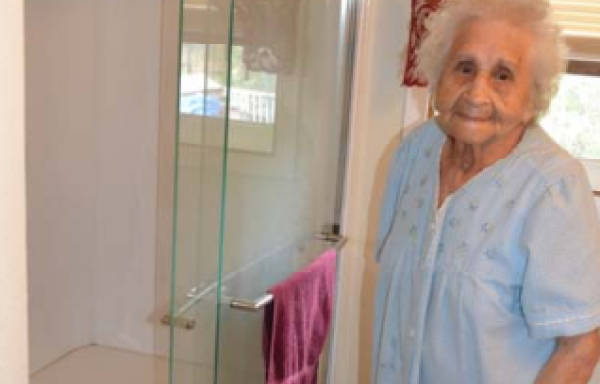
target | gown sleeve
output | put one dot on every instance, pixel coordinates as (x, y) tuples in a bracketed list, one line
[(561, 237)]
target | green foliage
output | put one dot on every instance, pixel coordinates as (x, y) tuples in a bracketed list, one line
[(212, 59), (241, 77), (574, 118)]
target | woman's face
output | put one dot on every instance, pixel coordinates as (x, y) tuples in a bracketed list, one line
[(484, 96)]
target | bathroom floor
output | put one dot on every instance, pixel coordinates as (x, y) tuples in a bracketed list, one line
[(105, 365), (102, 365), (96, 364)]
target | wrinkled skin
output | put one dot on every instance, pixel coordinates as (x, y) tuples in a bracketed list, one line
[(484, 96), (484, 103)]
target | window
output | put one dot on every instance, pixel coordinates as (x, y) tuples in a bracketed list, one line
[(574, 117), (579, 18)]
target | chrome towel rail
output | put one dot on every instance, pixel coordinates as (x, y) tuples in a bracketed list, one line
[(258, 304), (251, 305), (247, 305)]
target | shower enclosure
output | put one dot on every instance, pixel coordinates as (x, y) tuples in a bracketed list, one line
[(261, 136), (264, 92)]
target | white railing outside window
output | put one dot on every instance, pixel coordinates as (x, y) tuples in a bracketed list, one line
[(253, 106)]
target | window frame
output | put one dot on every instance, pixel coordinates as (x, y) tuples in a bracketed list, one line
[(587, 66)]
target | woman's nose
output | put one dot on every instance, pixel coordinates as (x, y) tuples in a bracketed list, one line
[(478, 91)]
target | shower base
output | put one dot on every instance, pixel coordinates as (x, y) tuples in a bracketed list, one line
[(103, 365), (96, 364)]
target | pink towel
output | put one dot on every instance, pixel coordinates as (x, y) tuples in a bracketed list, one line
[(296, 323)]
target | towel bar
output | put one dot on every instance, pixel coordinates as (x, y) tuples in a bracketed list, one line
[(251, 305), (199, 293), (261, 302)]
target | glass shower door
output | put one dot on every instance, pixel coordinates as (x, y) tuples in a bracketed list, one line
[(260, 167), (200, 170)]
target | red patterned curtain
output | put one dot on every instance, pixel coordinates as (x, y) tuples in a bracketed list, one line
[(421, 9)]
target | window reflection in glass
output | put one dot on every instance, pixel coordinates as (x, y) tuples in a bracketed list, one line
[(253, 94)]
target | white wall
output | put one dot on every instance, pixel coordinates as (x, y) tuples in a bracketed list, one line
[(61, 174), (127, 57), (381, 109), (92, 123), (13, 316)]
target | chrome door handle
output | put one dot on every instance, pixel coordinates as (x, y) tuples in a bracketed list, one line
[(251, 305)]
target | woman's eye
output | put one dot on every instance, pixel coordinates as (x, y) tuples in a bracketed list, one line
[(465, 68), (504, 75)]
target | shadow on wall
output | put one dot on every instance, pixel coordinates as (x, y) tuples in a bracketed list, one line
[(371, 267)]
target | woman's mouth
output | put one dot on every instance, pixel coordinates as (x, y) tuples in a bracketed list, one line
[(472, 116)]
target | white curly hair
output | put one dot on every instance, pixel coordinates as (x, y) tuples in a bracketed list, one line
[(535, 16)]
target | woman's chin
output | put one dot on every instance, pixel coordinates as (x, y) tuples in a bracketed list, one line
[(470, 131), (486, 135)]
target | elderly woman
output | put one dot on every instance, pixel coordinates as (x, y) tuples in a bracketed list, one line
[(489, 244)]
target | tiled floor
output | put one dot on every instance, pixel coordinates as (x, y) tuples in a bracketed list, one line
[(103, 365)]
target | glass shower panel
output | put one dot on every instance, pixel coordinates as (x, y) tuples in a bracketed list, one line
[(202, 127), (285, 132), (262, 106)]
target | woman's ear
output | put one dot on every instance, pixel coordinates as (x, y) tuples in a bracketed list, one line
[(431, 104), (531, 112)]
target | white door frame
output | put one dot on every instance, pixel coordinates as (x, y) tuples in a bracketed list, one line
[(13, 281)]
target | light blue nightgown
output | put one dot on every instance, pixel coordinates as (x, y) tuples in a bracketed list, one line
[(477, 291)]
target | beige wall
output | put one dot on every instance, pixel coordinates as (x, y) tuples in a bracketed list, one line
[(13, 317)]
